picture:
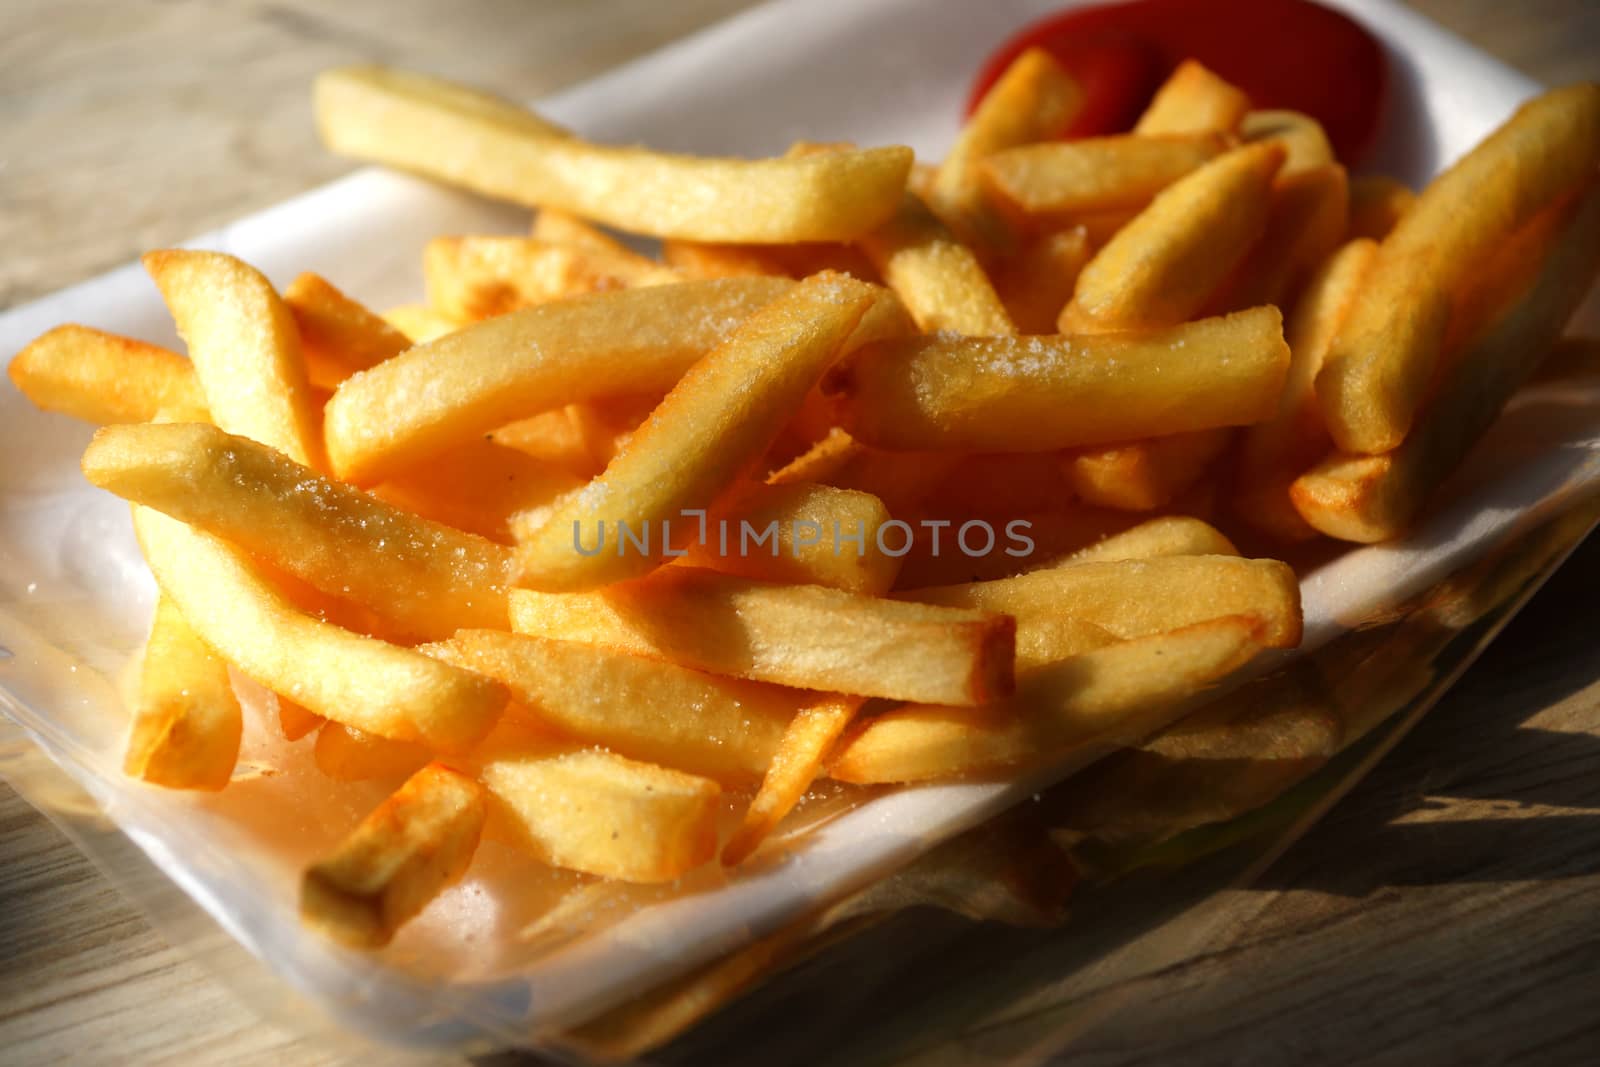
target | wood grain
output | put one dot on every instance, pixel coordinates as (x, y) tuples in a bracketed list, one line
[(1443, 912)]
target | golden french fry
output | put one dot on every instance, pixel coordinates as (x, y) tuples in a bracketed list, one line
[(1377, 203), (1132, 598), (421, 323), (593, 811), (1306, 222), (808, 637), (187, 723), (559, 439), (352, 755), (1117, 693), (1031, 540), (937, 277), (296, 721), (1055, 182), (492, 147), (103, 378), (244, 346), (1143, 475), (1382, 362), (1193, 100), (1302, 137), (713, 426), (337, 335), (469, 383), (563, 227), (1373, 498), (1031, 394), (1162, 267), (795, 766), (1101, 226), (474, 278), (482, 487), (1278, 450), (819, 463), (1038, 282), (643, 708), (402, 855), (1170, 535), (704, 260), (359, 681), (1034, 100), (428, 578)]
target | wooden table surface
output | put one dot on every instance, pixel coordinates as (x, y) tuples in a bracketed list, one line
[(1444, 912)]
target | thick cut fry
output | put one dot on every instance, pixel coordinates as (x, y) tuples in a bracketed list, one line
[(592, 811), (1058, 181), (563, 227), (1193, 100), (1034, 100), (295, 721), (1143, 475), (1170, 535), (244, 346), (1277, 451), (359, 681), (796, 765), (1382, 362), (474, 278), (491, 146), (1117, 693), (1307, 220), (1377, 203), (713, 426), (559, 439), (937, 277), (1302, 137), (337, 335), (804, 636), (1373, 498), (644, 708), (1164, 266), (1034, 394), (1133, 598), (1038, 282), (187, 725), (421, 323), (428, 578), (471, 382), (103, 378), (482, 487), (409, 849), (705, 261), (352, 755)]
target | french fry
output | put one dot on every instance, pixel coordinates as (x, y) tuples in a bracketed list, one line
[(475, 278), (563, 227), (713, 426), (474, 381), (428, 578), (808, 637), (643, 708), (1372, 498), (1170, 535), (1382, 362), (350, 755), (937, 277), (244, 346), (996, 487), (359, 681), (1162, 267), (1377, 203), (296, 721), (103, 378), (187, 723), (1055, 182), (796, 765), (1132, 598), (1306, 222), (1033, 394), (1036, 284), (482, 487), (1143, 475), (593, 811), (819, 463), (1278, 450), (1101, 226), (493, 147), (1118, 693), (1304, 140), (705, 261), (1041, 537), (402, 855), (1034, 100), (421, 323), (558, 439), (337, 335), (1193, 100)]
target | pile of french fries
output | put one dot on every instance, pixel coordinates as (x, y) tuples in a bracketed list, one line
[(1106, 348)]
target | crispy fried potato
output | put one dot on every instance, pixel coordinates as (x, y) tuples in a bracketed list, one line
[(808, 637), (1304, 140), (1193, 100), (640, 707), (350, 755), (1377, 203), (555, 226), (1143, 475), (704, 260), (244, 346), (1162, 267), (493, 147), (428, 578), (296, 721), (1035, 394), (103, 378), (474, 278), (421, 323), (187, 722), (1056, 182), (1117, 693), (1037, 283), (337, 335), (1306, 222), (937, 277), (1382, 362), (482, 487), (414, 845), (1033, 539), (359, 681), (713, 426), (1170, 535), (474, 381)]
